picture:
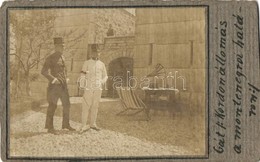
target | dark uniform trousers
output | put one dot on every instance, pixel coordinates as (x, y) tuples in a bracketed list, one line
[(55, 92)]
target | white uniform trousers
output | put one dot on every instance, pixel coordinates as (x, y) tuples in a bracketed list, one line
[(90, 103)]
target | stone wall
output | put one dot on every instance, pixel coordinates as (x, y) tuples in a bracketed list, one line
[(122, 22), (174, 37)]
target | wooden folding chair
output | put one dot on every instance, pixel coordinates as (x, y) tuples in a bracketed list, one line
[(131, 101)]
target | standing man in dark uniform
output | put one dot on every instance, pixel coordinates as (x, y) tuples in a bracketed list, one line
[(54, 70)]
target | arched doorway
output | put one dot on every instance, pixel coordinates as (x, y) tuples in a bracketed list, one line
[(120, 67)]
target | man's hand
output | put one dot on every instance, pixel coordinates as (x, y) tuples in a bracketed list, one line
[(55, 81), (103, 81)]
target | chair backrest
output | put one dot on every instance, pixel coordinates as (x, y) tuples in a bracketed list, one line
[(129, 98), (159, 70)]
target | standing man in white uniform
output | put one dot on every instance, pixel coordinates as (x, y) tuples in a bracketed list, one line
[(96, 76)]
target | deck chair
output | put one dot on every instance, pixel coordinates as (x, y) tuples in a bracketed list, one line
[(132, 102)]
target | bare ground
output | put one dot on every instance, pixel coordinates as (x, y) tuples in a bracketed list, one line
[(180, 133)]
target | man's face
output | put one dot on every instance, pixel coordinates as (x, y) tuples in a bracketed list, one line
[(95, 54), (59, 48)]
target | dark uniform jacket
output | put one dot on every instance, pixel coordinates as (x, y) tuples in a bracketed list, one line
[(56, 64)]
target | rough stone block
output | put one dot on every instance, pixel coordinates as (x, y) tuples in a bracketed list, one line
[(198, 83), (199, 55), (141, 56)]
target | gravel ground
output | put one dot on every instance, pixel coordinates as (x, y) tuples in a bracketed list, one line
[(120, 135)]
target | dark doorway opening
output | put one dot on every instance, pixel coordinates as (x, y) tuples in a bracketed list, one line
[(119, 68)]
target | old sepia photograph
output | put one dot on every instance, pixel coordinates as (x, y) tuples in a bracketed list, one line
[(108, 82)]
